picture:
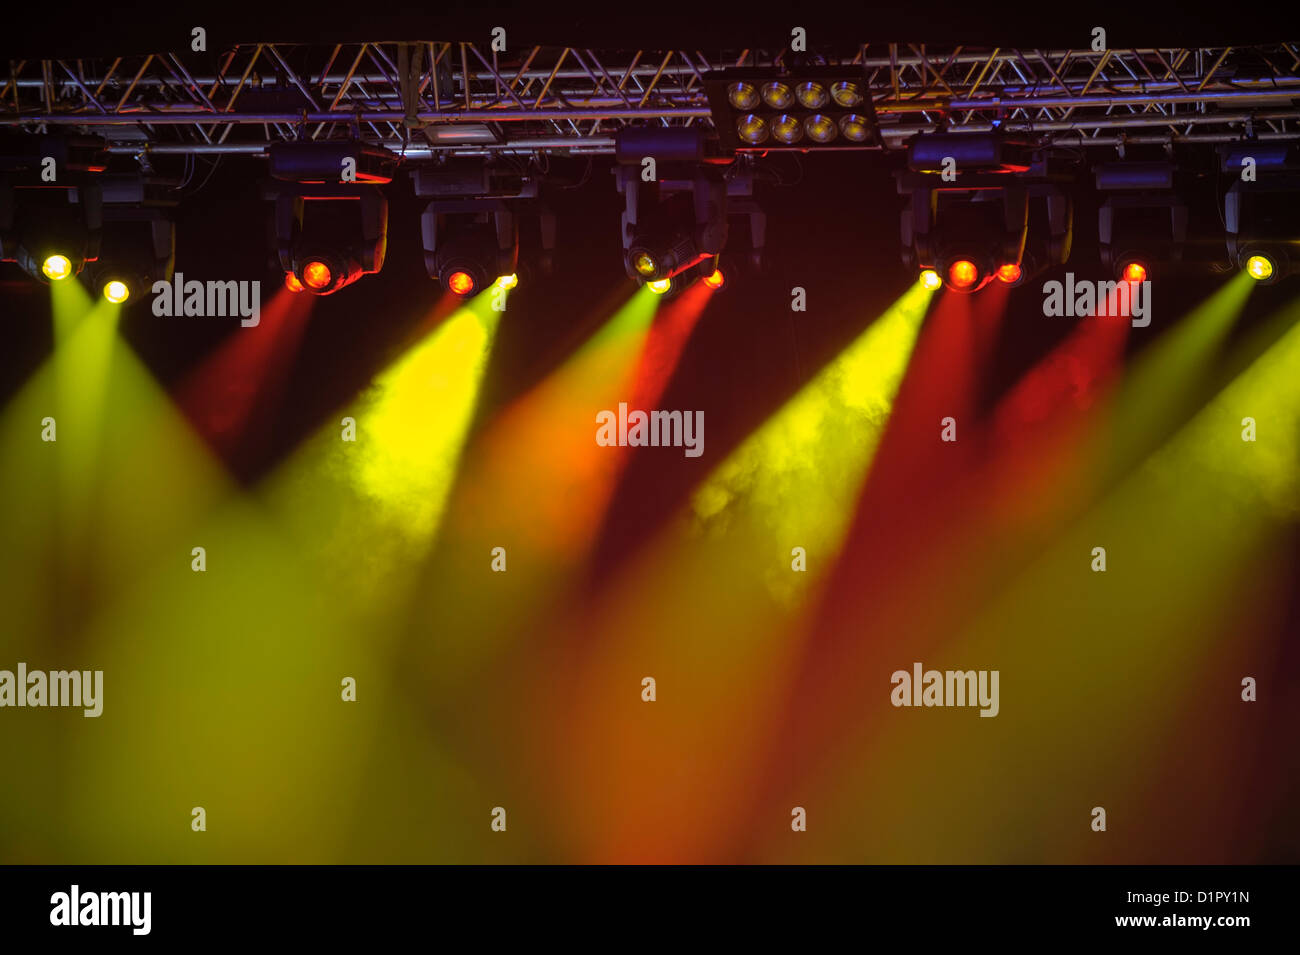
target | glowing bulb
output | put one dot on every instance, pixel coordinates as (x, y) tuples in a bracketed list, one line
[(644, 264), (659, 287), (1009, 273), (462, 283), (291, 282), (1259, 267), (1135, 272), (716, 279), (116, 292), (316, 275), (930, 279), (507, 281), (963, 273), (57, 267)]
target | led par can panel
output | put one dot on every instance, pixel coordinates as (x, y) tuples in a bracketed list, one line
[(808, 109)]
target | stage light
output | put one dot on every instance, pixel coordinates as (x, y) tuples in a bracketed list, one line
[(660, 286), (291, 282), (743, 95), (811, 95), (788, 129), (116, 292), (777, 95), (462, 283), (678, 220), (751, 129), (56, 267), (930, 279), (1135, 272), (329, 231), (470, 228), (855, 128), (1259, 267), (820, 128), (963, 274), (800, 107), (715, 279), (1009, 273), (316, 275), (507, 281), (846, 94)]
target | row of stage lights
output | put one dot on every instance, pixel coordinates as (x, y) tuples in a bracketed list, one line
[(1005, 216)]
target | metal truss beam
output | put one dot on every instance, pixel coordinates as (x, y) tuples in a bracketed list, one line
[(423, 98)]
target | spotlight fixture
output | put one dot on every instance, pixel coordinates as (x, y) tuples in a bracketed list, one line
[(331, 220), (51, 229), (471, 226), (810, 108), (967, 215), (1262, 216), (676, 219), (139, 238), (1143, 219)]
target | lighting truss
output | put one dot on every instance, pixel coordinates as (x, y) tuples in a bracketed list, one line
[(423, 98)]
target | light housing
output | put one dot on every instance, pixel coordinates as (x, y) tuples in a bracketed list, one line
[(803, 107)]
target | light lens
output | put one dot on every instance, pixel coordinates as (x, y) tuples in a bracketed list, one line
[(1259, 267), (507, 281), (787, 129), (751, 129), (930, 279), (742, 96), (716, 279), (57, 267), (116, 291), (855, 128), (462, 283), (316, 275), (1009, 273), (811, 95), (820, 129), (291, 282), (963, 273), (1135, 272), (644, 264), (777, 95), (659, 287), (846, 94)]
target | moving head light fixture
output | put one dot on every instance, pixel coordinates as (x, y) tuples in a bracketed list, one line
[(1261, 213), (967, 211), (51, 205), (1143, 220), (139, 238), (470, 228), (675, 203), (803, 108), (346, 234)]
